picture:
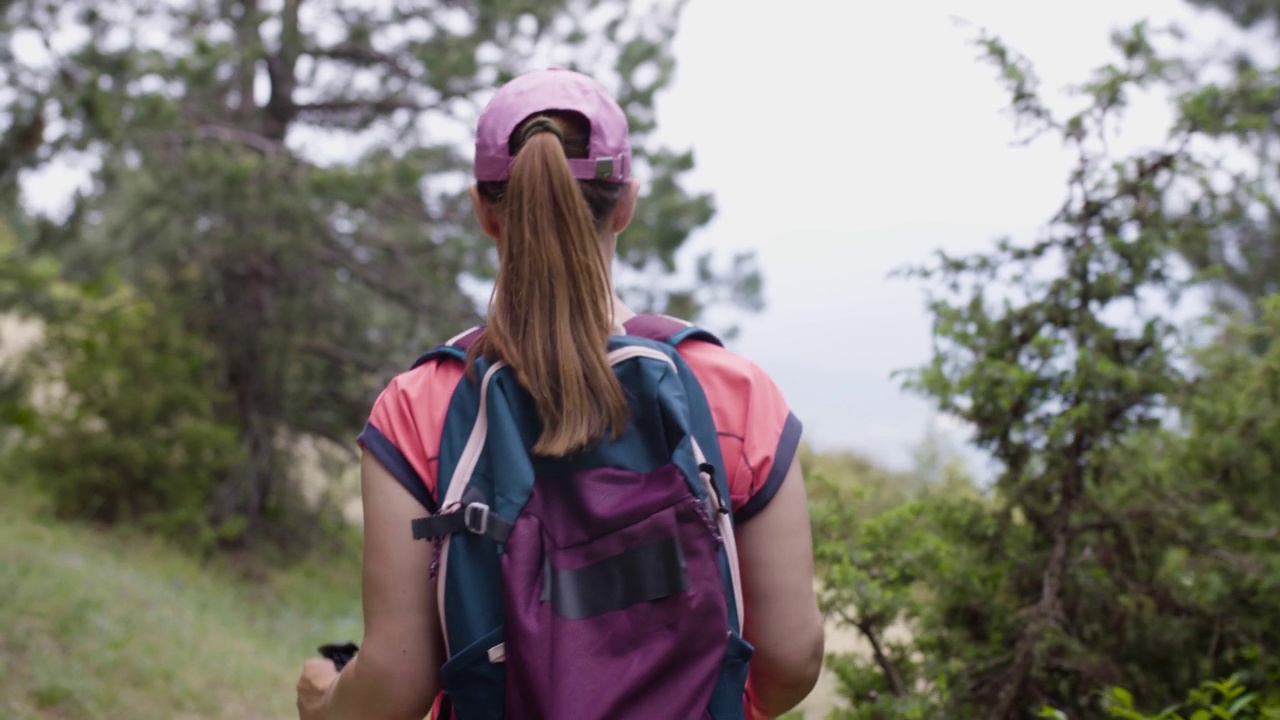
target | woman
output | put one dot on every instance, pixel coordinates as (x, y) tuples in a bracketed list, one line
[(554, 190)]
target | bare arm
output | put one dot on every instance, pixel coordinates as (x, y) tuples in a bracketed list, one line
[(395, 675), (775, 552)]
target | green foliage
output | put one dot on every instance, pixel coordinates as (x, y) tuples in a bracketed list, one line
[(130, 430), (883, 542), (911, 580), (1044, 349), (1247, 13), (18, 280), (287, 180), (22, 277), (850, 478), (1238, 186), (1246, 698), (1129, 537), (1235, 115)]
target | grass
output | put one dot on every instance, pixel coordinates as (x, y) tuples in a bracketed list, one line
[(108, 624)]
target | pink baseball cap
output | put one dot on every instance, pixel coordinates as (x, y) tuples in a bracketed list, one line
[(609, 149)]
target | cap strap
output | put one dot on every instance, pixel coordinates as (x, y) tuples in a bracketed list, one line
[(541, 124)]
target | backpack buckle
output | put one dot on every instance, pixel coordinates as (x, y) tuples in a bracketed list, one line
[(479, 522)]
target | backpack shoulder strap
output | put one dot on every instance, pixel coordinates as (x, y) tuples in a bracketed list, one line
[(651, 326), (454, 348), (666, 329)]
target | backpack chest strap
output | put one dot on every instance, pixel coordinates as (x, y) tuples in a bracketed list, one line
[(472, 515)]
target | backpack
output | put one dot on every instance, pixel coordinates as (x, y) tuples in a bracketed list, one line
[(600, 585)]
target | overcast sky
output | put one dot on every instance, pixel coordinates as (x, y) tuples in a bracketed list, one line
[(843, 140)]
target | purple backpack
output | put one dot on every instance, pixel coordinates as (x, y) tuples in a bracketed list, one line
[(603, 585)]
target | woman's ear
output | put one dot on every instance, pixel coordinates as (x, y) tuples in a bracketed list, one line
[(626, 208), (487, 214)]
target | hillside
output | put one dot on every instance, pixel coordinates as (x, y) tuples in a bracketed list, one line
[(105, 625)]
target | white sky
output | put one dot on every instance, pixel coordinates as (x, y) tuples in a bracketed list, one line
[(844, 140)]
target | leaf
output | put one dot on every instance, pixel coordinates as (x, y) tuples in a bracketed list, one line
[(1240, 704), (1122, 696)]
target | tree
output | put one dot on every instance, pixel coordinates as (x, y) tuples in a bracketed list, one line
[(134, 435), (1053, 383), (286, 177), (1241, 116), (1129, 535), (1246, 13)]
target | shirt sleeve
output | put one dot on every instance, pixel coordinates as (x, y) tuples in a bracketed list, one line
[(404, 427), (759, 434)]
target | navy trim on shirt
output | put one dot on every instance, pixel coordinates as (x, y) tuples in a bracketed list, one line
[(397, 464), (788, 443)]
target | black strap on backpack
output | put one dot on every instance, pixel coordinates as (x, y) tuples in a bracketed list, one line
[(471, 515)]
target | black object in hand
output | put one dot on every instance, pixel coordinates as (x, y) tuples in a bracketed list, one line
[(340, 654)]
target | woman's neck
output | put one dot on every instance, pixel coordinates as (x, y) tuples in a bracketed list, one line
[(621, 314)]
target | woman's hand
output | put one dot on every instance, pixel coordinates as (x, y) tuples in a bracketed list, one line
[(318, 674)]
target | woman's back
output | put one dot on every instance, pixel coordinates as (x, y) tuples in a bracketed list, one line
[(600, 502)]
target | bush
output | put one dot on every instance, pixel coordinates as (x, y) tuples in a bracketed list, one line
[(130, 432), (21, 278), (1244, 696)]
